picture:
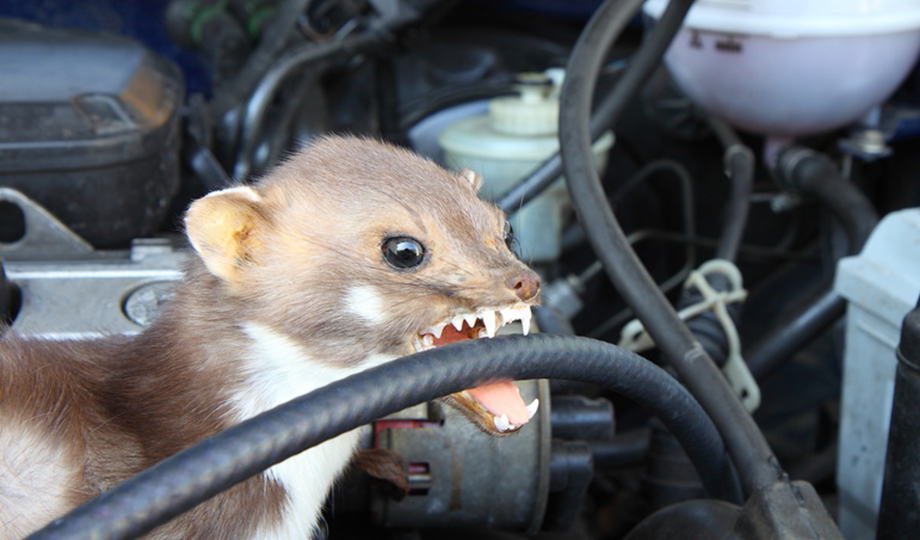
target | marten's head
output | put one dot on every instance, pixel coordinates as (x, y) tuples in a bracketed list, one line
[(357, 250)]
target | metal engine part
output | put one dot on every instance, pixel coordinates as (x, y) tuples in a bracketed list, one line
[(69, 291), (459, 476)]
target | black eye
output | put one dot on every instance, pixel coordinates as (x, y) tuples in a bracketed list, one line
[(508, 234), (403, 252)]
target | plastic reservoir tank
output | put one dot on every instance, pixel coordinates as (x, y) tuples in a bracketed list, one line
[(882, 285), (516, 135), (787, 68)]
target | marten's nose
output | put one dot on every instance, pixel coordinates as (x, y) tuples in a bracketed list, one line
[(525, 284)]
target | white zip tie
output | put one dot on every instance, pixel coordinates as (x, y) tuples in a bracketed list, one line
[(636, 339)]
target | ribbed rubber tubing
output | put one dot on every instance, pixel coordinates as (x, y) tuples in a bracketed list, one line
[(200, 472)]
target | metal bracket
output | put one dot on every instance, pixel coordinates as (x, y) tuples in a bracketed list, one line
[(45, 237)]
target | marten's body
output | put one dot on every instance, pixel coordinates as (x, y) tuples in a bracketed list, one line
[(349, 255)]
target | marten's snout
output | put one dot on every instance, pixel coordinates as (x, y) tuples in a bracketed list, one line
[(524, 283)]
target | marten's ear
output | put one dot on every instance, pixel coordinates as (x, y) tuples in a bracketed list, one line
[(472, 177), (220, 227)]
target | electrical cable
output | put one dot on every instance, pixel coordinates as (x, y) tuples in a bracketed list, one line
[(688, 206), (755, 462), (688, 209), (779, 251), (200, 472), (689, 217)]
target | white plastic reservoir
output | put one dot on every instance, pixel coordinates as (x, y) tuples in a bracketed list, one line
[(509, 142), (882, 285), (792, 67)]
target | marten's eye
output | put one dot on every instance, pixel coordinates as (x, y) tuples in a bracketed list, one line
[(508, 234), (403, 252)]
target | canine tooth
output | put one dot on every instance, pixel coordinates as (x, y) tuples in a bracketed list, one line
[(490, 322), (532, 408), (428, 341), (457, 322), (525, 320)]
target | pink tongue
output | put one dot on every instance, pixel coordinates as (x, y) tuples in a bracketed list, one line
[(502, 398)]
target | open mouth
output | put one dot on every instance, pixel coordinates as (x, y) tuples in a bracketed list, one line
[(497, 408)]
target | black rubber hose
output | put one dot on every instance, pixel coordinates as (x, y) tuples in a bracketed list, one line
[(295, 60), (750, 452), (200, 472), (273, 40), (780, 345), (625, 450), (739, 167), (811, 173)]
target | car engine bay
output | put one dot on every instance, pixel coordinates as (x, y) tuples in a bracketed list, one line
[(739, 206)]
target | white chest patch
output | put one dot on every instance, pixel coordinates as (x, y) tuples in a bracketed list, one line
[(35, 481), (278, 372), (365, 302)]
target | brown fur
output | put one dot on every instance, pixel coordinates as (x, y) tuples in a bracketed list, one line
[(282, 257), (119, 406)]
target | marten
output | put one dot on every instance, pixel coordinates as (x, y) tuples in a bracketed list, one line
[(350, 254)]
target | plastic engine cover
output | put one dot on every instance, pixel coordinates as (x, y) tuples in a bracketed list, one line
[(89, 128)]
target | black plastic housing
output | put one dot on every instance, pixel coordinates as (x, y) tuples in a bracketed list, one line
[(899, 513), (89, 128)]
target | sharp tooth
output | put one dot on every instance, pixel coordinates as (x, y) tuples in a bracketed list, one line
[(532, 408), (428, 341), (491, 324), (457, 322), (436, 330), (482, 333), (501, 422), (470, 319), (525, 320), (417, 344), (508, 315)]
